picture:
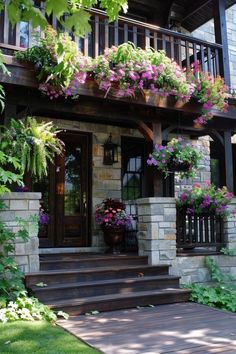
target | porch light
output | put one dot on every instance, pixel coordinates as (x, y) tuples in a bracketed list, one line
[(110, 154)]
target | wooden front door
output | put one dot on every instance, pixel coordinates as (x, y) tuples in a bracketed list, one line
[(66, 195)]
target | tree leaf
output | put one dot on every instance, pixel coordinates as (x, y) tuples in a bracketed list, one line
[(57, 7), (78, 22)]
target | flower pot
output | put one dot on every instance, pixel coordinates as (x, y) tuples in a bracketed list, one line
[(113, 238), (151, 97)]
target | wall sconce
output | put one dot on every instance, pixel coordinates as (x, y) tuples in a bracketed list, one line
[(110, 154)]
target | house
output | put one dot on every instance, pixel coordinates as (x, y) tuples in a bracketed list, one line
[(79, 180)]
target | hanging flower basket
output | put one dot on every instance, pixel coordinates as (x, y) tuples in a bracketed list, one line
[(176, 156), (176, 166)]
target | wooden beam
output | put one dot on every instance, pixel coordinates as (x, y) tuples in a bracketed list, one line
[(229, 176), (145, 131), (157, 176), (221, 37)]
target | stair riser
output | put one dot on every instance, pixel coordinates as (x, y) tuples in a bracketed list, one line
[(48, 296), (123, 304), (47, 265), (93, 276)]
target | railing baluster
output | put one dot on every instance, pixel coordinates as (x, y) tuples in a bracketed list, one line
[(96, 37), (172, 48), (106, 33), (86, 45), (209, 60), (187, 54), (194, 52), (126, 33), (116, 33), (6, 25), (202, 57), (164, 42), (217, 62), (135, 35), (147, 38), (190, 231)]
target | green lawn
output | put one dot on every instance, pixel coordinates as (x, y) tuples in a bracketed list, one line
[(39, 337)]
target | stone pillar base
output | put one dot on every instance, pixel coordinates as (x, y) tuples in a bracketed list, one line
[(157, 229), (23, 205)]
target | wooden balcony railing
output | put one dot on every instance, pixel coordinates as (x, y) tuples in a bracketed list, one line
[(182, 48), (199, 231)]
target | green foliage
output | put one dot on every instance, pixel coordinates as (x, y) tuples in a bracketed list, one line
[(222, 295), (4, 70), (77, 16), (33, 143), (228, 252), (8, 177), (27, 308), (56, 59)]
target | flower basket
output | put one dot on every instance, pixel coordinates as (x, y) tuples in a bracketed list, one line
[(176, 156)]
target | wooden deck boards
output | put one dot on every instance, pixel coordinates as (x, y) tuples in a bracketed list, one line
[(183, 328)]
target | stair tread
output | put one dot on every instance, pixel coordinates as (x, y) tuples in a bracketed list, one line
[(104, 298), (93, 259), (128, 280), (97, 269)]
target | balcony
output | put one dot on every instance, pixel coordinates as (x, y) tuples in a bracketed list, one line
[(182, 48)]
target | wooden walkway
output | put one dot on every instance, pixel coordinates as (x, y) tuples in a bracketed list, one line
[(183, 328)]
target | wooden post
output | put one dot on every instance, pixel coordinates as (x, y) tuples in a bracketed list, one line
[(157, 176), (222, 38), (229, 176), (9, 112)]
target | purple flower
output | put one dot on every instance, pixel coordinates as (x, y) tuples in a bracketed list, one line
[(189, 211), (43, 218), (183, 197)]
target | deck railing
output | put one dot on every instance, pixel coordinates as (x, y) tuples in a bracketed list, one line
[(199, 231), (182, 48)]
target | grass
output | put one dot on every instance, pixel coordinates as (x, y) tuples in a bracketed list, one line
[(39, 337)]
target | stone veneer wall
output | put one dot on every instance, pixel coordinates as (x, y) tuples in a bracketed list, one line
[(204, 172), (106, 180), (23, 205), (206, 32)]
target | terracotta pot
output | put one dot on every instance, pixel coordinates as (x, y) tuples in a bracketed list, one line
[(150, 97), (113, 238)]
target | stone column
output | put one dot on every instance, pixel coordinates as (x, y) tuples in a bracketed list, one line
[(157, 229), (230, 227), (23, 205)]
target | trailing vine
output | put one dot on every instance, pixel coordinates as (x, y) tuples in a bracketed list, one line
[(222, 295)]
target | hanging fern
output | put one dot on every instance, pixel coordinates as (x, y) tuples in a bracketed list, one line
[(34, 143)]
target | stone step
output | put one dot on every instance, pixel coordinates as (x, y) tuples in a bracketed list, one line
[(104, 287), (91, 261), (51, 277), (120, 301)]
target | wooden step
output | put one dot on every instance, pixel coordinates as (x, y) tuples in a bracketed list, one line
[(121, 301), (92, 262), (104, 287), (90, 274)]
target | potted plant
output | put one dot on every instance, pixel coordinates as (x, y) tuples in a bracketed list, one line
[(205, 200), (177, 156), (113, 219)]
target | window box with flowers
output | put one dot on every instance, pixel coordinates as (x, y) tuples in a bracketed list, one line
[(114, 220), (177, 156), (200, 217), (206, 200)]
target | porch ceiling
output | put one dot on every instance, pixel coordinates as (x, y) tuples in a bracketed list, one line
[(191, 14)]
